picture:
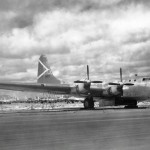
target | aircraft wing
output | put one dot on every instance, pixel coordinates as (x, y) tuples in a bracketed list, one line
[(52, 89), (36, 87)]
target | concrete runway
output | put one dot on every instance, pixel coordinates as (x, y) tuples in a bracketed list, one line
[(121, 129)]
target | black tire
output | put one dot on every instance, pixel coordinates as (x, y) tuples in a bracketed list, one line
[(86, 104), (89, 103)]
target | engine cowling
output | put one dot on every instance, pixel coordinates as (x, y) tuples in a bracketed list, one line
[(83, 88), (116, 90)]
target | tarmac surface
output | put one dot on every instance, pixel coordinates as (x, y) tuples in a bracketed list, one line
[(113, 129)]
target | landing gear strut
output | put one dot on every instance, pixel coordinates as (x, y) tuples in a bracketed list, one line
[(89, 103)]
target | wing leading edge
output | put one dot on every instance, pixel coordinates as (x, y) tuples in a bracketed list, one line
[(50, 88)]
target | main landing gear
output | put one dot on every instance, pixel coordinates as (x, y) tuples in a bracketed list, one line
[(89, 103)]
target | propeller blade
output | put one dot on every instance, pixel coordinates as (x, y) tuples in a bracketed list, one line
[(96, 81), (111, 83), (88, 72), (120, 74), (128, 84), (78, 81)]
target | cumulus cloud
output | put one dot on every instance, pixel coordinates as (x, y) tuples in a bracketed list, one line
[(106, 35)]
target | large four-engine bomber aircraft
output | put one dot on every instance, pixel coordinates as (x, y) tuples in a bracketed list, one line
[(121, 93)]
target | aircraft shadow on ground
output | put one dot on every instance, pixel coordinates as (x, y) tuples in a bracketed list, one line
[(97, 109)]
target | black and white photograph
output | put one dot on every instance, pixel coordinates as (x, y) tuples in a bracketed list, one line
[(74, 74)]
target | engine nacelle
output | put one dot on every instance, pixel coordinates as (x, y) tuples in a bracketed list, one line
[(83, 88), (116, 90)]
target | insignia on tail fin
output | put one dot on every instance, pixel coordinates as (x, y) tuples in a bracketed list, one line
[(45, 74)]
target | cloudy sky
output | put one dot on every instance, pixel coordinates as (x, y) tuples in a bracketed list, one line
[(106, 34)]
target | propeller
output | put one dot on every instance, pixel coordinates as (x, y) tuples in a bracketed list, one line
[(79, 81), (88, 79), (121, 83), (128, 84)]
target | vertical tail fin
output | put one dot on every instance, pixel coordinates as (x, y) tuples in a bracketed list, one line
[(45, 75)]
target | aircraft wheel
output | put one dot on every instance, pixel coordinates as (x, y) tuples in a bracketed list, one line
[(89, 103)]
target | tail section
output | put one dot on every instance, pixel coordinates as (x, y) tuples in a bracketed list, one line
[(45, 75)]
